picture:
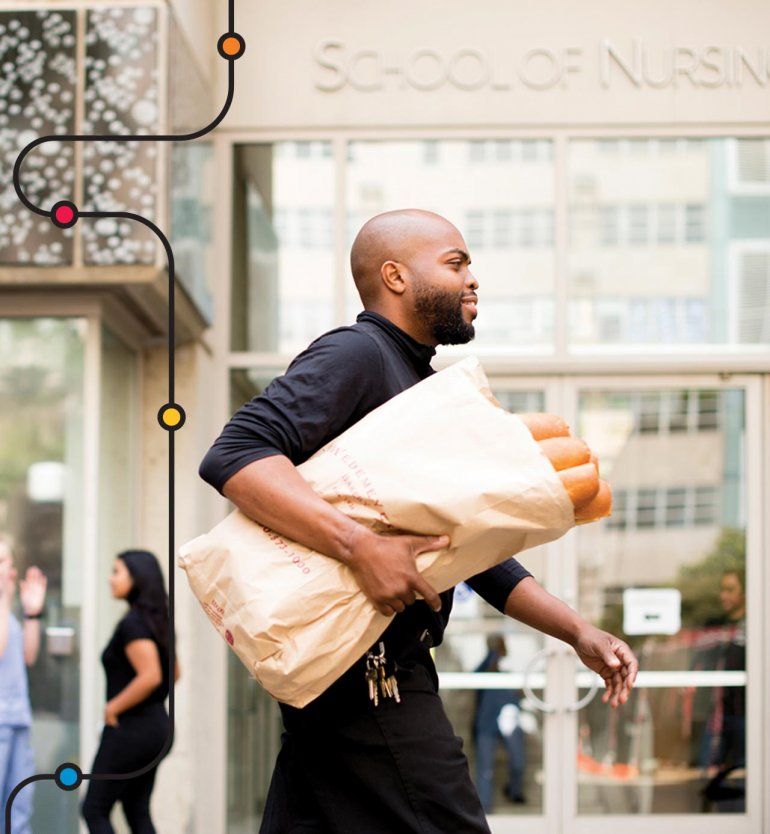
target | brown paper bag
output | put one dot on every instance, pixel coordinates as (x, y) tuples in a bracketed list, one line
[(441, 457)]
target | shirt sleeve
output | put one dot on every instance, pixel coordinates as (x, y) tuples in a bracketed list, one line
[(495, 584), (133, 627), (326, 389)]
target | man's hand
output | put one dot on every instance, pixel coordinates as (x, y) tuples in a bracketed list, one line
[(386, 570), (273, 493), (610, 658)]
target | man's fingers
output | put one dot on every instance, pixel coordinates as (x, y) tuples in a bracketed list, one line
[(630, 663), (617, 687), (425, 544), (611, 659), (427, 592)]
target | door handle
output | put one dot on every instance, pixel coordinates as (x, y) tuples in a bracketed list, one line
[(544, 706), (538, 703), (587, 698), (60, 640)]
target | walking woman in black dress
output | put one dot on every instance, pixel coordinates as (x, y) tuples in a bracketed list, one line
[(136, 724)]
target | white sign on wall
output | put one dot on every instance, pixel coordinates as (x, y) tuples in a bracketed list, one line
[(457, 64), (641, 65), (652, 611)]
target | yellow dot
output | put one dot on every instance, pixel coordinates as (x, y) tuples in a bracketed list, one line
[(171, 416)]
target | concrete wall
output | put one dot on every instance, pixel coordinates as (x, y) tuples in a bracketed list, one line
[(438, 62), (202, 22), (190, 793)]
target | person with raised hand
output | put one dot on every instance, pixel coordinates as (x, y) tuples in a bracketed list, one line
[(19, 648)]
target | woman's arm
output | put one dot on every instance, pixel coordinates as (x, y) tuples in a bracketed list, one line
[(144, 657), (31, 641)]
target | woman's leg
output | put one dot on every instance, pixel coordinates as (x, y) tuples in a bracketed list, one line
[(100, 799), (16, 763), (103, 793), (136, 803)]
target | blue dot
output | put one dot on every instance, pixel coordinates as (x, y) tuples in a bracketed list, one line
[(68, 776)]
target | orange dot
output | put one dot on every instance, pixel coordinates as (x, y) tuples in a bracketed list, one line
[(231, 46)]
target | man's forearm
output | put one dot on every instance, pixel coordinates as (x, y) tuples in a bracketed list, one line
[(532, 605), (272, 492)]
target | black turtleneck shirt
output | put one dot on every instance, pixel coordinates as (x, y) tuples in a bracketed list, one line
[(332, 384)]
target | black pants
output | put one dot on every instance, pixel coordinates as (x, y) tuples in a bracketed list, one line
[(347, 767), (135, 742)]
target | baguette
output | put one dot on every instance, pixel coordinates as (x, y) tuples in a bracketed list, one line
[(599, 507), (565, 452), (543, 425), (577, 465), (581, 483)]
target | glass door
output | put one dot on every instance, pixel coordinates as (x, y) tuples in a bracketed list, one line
[(495, 683), (676, 572), (673, 572), (41, 515)]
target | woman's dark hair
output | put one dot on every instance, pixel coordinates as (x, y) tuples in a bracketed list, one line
[(148, 591)]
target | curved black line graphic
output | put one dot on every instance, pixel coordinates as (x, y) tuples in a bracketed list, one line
[(230, 53)]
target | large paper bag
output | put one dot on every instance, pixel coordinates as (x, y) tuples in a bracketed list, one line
[(441, 457)]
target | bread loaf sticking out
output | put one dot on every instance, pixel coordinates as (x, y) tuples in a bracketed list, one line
[(577, 465)]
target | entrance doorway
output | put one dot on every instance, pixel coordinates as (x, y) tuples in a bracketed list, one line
[(676, 572)]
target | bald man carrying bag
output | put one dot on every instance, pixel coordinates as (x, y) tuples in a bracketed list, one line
[(347, 764)]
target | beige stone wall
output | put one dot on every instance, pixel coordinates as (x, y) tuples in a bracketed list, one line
[(447, 63), (190, 791), (201, 22)]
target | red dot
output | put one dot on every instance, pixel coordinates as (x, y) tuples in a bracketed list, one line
[(64, 214)]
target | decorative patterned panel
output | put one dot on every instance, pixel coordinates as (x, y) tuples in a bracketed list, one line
[(121, 97), (37, 97)]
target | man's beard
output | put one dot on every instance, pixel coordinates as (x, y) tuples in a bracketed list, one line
[(442, 312)]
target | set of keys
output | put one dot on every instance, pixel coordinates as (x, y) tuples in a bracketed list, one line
[(378, 681)]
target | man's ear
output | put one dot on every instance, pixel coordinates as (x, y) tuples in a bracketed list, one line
[(392, 275)]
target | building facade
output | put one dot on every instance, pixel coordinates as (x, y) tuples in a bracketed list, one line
[(611, 177)]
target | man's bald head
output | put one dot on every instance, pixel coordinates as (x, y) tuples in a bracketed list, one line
[(393, 236)]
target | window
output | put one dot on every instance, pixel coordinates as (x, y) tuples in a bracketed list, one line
[(502, 228), (430, 152), (638, 219), (706, 505), (752, 313), (526, 219), (648, 416), (619, 520), (678, 405), (695, 223), (646, 508), (753, 161), (475, 229), (676, 504), (609, 225), (282, 246), (476, 151), (667, 225), (670, 240), (708, 410)]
